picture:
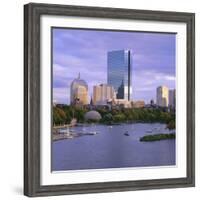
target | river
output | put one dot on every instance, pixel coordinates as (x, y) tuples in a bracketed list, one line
[(110, 148)]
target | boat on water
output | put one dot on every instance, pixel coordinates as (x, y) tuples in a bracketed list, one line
[(73, 122), (70, 137), (126, 133), (157, 129), (86, 133), (66, 131), (92, 133)]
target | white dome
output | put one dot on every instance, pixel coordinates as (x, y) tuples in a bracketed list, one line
[(92, 115)]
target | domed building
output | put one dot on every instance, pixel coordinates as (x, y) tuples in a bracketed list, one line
[(92, 116), (79, 91)]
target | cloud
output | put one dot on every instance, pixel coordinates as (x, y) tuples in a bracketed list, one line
[(170, 78), (149, 79), (145, 84), (61, 95)]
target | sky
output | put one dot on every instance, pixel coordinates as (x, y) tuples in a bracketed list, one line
[(77, 51)]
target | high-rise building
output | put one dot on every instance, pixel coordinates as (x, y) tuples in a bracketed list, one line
[(162, 96), (81, 95), (79, 91), (152, 102), (172, 98), (102, 93), (119, 74), (96, 94)]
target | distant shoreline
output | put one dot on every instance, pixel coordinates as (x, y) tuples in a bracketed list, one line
[(107, 124)]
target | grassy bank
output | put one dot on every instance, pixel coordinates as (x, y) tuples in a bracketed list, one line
[(157, 137)]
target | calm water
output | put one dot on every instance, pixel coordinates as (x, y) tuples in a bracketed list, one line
[(110, 148)]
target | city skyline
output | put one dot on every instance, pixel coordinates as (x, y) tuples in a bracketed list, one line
[(104, 93), (85, 51)]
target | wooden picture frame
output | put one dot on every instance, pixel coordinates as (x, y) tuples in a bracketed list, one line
[(32, 103)]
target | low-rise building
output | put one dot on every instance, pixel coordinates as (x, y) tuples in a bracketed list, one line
[(138, 104), (122, 102)]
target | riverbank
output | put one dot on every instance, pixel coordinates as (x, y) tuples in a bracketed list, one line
[(71, 135)]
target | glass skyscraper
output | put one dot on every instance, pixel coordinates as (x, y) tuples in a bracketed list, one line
[(119, 74)]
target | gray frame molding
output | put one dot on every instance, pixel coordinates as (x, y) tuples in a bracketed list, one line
[(32, 13)]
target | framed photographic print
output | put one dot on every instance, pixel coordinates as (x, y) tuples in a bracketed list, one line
[(108, 98)]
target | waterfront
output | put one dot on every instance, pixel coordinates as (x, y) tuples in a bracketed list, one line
[(111, 148)]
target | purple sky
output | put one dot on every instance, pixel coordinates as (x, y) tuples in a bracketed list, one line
[(85, 51)]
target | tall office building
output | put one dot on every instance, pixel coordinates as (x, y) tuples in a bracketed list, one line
[(119, 74), (162, 96), (102, 93), (81, 95), (79, 91), (172, 98), (96, 94)]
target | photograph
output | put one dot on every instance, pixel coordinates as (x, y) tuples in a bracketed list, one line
[(113, 99), (109, 99)]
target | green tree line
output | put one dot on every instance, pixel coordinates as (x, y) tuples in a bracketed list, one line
[(64, 114)]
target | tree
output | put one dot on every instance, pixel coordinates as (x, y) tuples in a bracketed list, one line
[(171, 125), (79, 114), (59, 116), (119, 118), (107, 118)]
